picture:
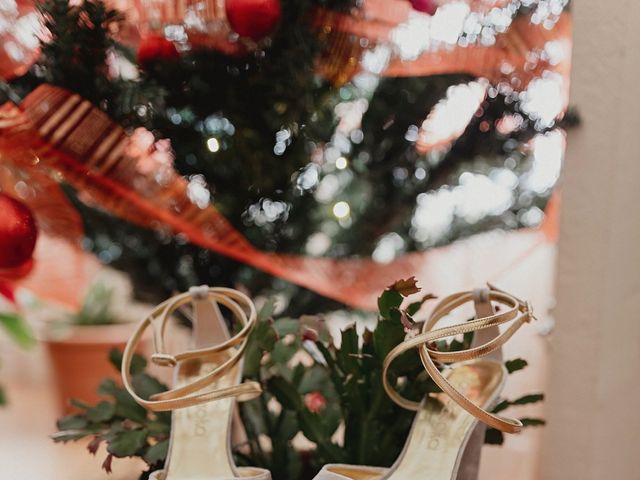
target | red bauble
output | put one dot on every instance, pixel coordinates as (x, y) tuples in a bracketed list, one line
[(425, 6), (156, 47), (18, 232), (253, 18)]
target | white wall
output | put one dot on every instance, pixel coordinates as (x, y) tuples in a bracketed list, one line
[(594, 393)]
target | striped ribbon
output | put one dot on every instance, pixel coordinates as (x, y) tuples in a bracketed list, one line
[(71, 140), (78, 144)]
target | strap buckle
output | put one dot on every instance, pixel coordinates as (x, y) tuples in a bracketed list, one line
[(527, 309), (164, 359), (524, 306)]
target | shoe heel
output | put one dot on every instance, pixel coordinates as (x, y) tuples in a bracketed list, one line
[(469, 467), (470, 463)]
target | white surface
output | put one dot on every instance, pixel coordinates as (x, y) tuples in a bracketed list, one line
[(594, 391), (26, 452)]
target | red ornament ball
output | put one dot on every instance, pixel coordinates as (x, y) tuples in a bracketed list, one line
[(18, 232), (253, 18), (156, 47), (425, 6)]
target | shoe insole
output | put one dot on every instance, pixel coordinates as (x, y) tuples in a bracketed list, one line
[(441, 428), (355, 473), (200, 434)]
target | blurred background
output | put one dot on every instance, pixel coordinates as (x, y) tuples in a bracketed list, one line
[(310, 151)]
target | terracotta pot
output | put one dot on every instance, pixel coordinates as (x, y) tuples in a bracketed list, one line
[(80, 360)]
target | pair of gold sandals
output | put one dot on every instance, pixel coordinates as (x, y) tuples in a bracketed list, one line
[(208, 383)]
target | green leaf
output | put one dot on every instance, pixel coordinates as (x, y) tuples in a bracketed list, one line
[(330, 418), (64, 436), (71, 422), (468, 339), (157, 452), (314, 379), (313, 427), (395, 315), (286, 326), (159, 427), (266, 336), (413, 308), (456, 345), (96, 309), (138, 362), (347, 354), (126, 443), (252, 359), (389, 300), (386, 336), (127, 407), (527, 399), (503, 405), (493, 437), (3, 397), (267, 310), (328, 358), (262, 339), (79, 404), (285, 393), (146, 385), (288, 425), (108, 387), (253, 417), (515, 365), (282, 353), (531, 398), (102, 412), (298, 374), (532, 422), (17, 329)]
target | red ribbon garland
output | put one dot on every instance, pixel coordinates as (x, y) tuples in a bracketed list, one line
[(77, 143)]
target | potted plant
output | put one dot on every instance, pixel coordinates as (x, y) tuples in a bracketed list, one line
[(78, 343), (321, 402)]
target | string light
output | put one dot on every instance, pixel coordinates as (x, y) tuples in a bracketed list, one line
[(341, 163), (213, 145), (341, 210)]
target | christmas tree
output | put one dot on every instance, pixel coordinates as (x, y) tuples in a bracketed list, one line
[(301, 159), (303, 130)]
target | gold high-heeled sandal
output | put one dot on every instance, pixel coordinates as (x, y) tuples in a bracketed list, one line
[(207, 384), (442, 428)]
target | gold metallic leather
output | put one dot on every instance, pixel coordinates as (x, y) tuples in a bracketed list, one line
[(191, 394), (516, 311)]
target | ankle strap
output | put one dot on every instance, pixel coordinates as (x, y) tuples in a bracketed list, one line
[(517, 311), (187, 395)]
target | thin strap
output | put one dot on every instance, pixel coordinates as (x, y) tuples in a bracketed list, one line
[(517, 311), (484, 308), (191, 394)]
